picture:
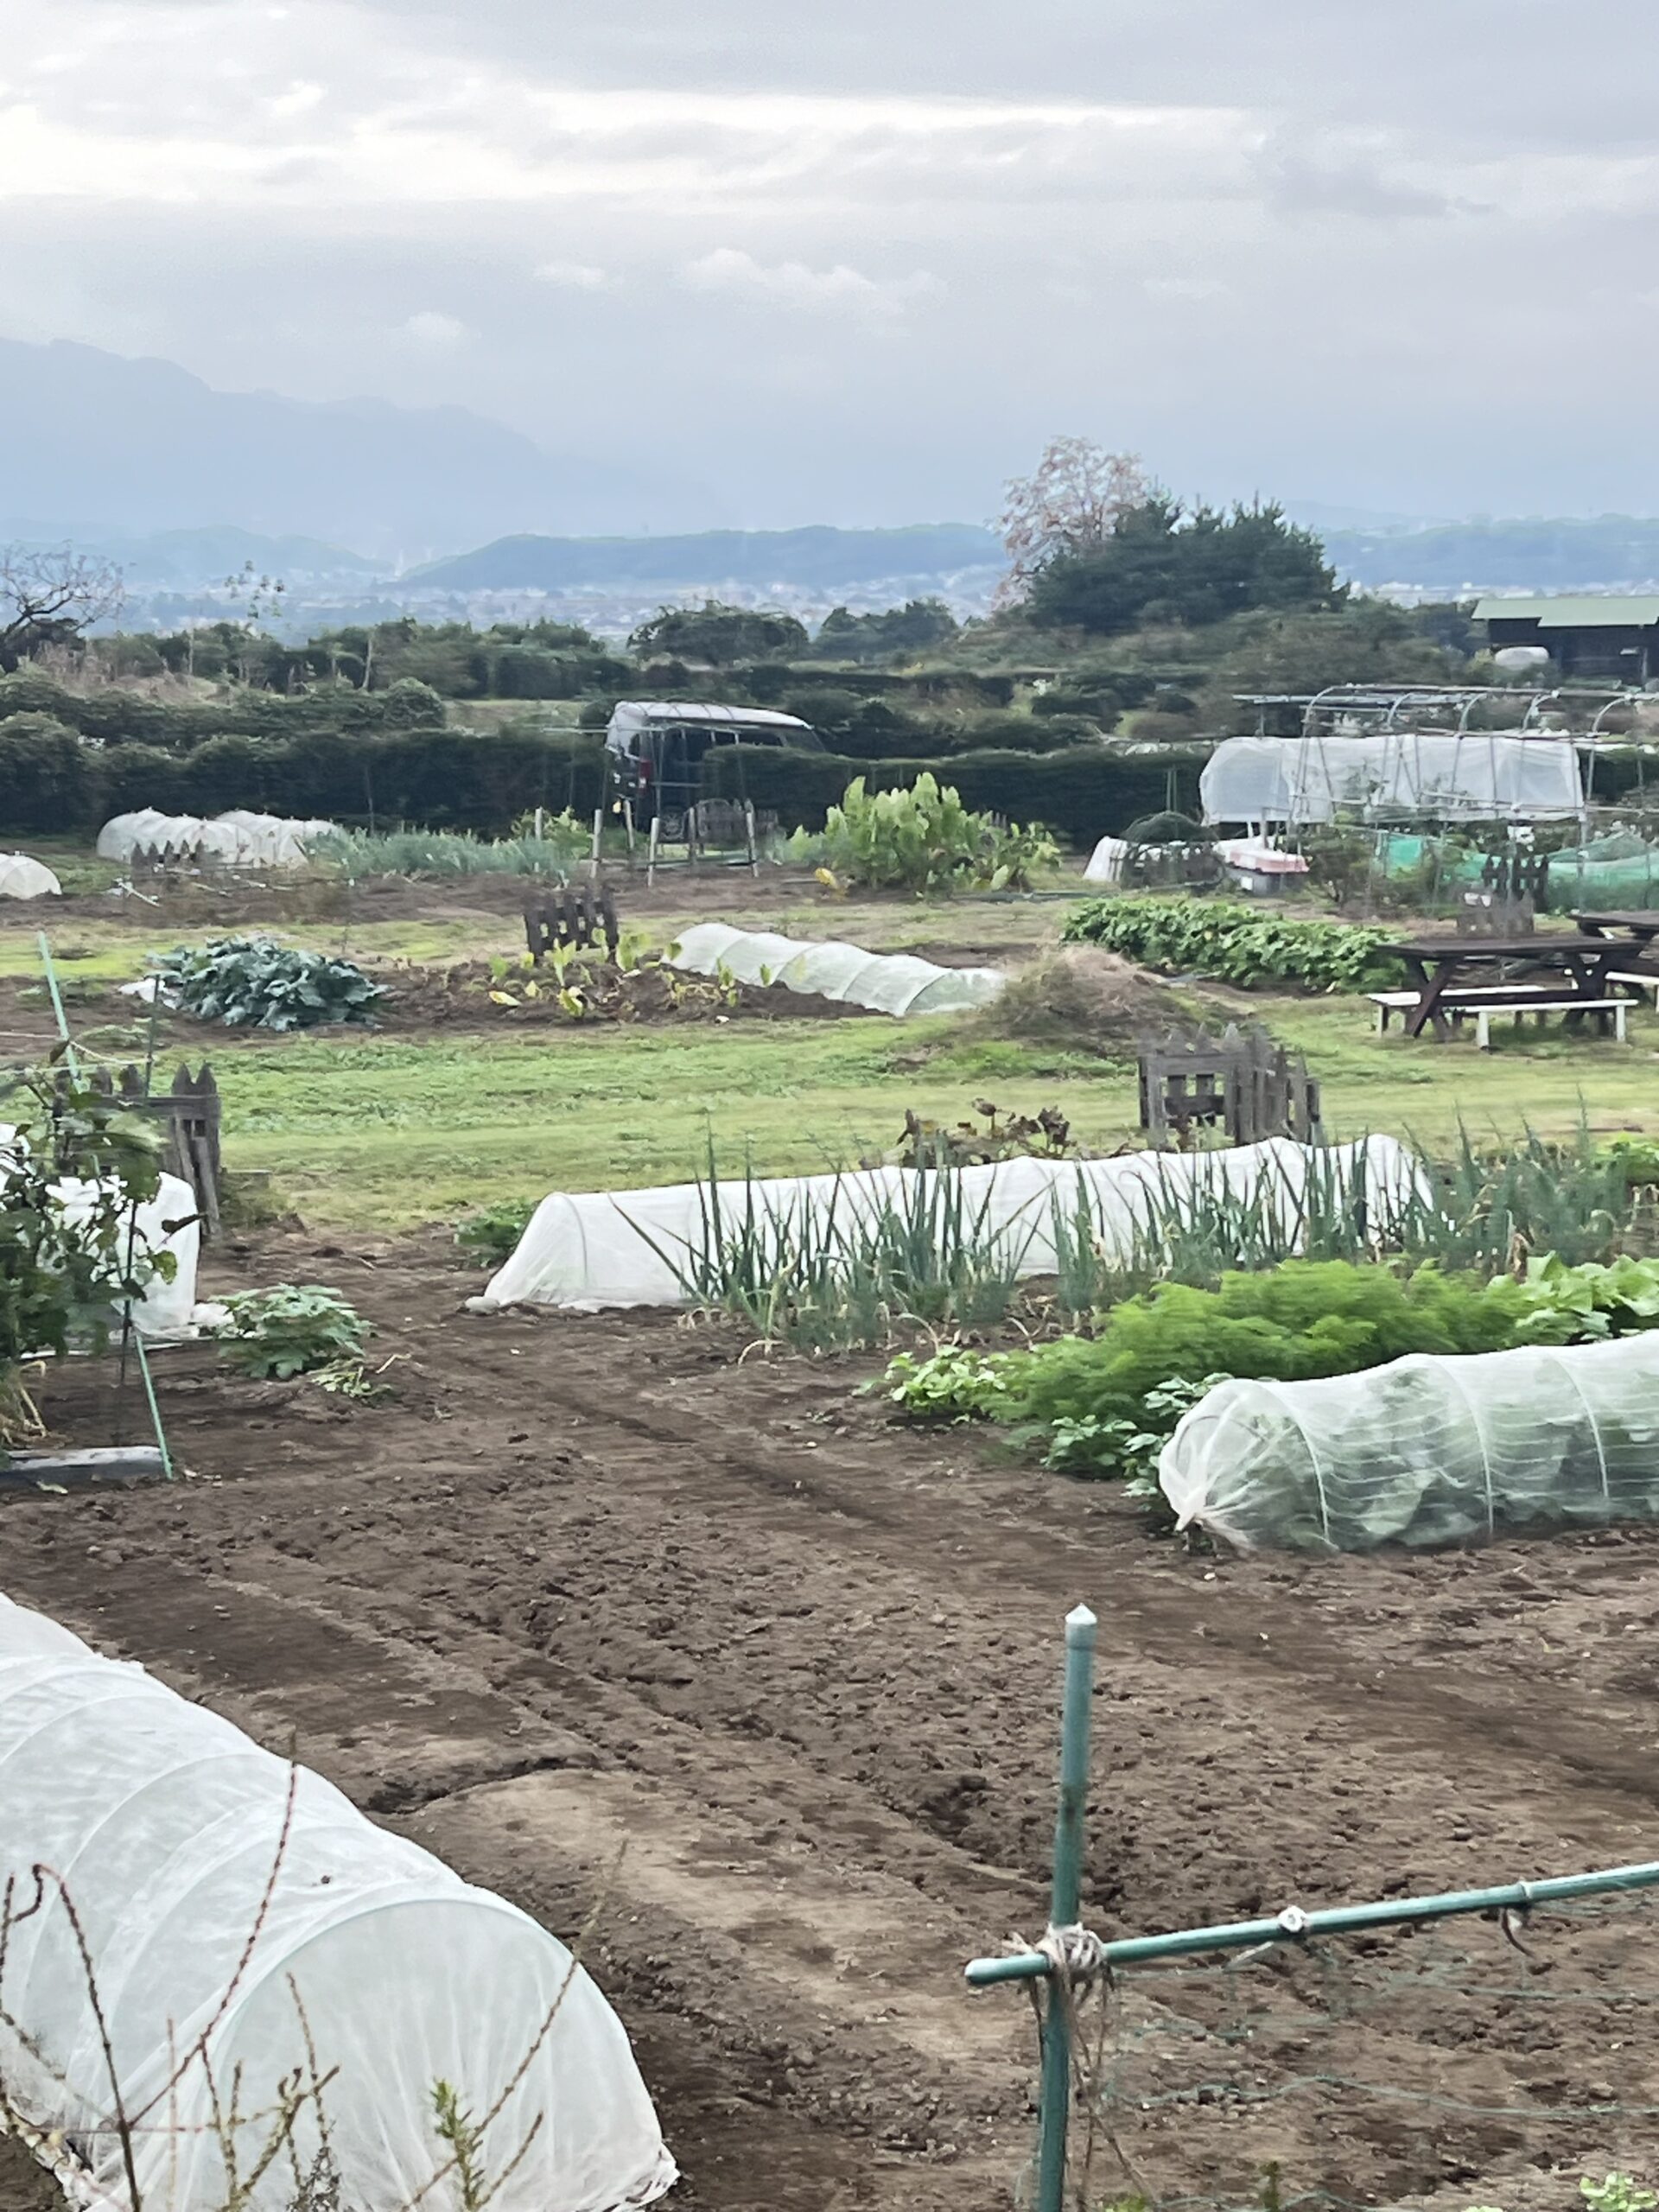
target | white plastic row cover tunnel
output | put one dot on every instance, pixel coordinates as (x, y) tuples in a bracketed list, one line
[(1436, 773), (168, 1222), (639, 1247), (238, 839), (165, 1823), (1106, 861), (886, 982), (1427, 1450), (23, 877)]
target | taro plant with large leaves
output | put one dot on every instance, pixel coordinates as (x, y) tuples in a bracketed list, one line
[(923, 839), (254, 983)]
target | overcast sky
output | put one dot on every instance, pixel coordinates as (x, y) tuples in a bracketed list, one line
[(853, 260)]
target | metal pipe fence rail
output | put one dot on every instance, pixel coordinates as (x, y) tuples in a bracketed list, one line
[(1338, 2056)]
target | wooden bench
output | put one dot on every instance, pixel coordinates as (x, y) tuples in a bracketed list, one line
[(1620, 1009), (1455, 1004), (1639, 982), (1517, 1001)]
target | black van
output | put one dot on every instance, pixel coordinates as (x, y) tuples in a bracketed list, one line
[(655, 748)]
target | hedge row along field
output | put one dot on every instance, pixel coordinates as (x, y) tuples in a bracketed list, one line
[(55, 782)]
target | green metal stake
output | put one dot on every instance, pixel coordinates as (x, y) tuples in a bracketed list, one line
[(1064, 1903), (73, 1066)]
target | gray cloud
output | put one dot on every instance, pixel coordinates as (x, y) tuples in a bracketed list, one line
[(855, 261)]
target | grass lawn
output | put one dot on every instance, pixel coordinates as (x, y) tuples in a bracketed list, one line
[(388, 1131), (366, 1130)]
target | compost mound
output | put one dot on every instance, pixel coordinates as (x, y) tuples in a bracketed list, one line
[(1084, 997)]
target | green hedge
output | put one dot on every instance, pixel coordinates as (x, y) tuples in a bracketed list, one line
[(118, 717), (51, 782), (1082, 793)]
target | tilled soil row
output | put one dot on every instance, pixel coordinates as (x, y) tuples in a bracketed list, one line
[(608, 1618)]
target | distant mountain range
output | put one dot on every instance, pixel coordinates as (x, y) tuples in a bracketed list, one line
[(129, 456), (117, 447), (814, 559), (1525, 554)]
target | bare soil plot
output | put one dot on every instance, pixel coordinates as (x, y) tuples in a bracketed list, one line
[(586, 1584)]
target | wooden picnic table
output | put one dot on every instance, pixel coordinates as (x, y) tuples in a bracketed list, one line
[(1439, 966), (1643, 924)]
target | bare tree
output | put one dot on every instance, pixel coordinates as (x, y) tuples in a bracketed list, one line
[(49, 594), (1070, 504)]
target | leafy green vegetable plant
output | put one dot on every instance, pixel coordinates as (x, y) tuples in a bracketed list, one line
[(1236, 944), (1568, 1305), (489, 1239), (1617, 2193), (1305, 1318), (955, 1384), (923, 839), (1129, 1448), (255, 983), (291, 1329)]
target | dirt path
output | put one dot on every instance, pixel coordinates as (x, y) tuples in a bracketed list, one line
[(586, 1584)]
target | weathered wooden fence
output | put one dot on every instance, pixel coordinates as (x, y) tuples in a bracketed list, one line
[(1243, 1082), (190, 1115), (577, 915)]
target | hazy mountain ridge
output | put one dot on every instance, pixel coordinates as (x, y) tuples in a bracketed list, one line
[(119, 448), (1526, 553), (813, 558)]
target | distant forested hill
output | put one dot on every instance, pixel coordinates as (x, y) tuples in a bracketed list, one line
[(818, 558), (1524, 555)]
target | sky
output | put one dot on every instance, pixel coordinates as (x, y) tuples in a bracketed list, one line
[(855, 261)]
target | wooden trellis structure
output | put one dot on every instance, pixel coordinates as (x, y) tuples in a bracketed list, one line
[(1243, 1082), (1495, 913), (1516, 875), (190, 1115), (576, 915)]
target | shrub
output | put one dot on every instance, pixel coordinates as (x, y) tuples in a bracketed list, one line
[(1236, 944), (254, 983), (291, 1329), (925, 839), (46, 779), (410, 704)]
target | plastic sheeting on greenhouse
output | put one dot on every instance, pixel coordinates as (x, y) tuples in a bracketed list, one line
[(166, 1823), (238, 839), (1426, 1450), (1437, 773), (886, 982), (22, 877), (169, 1221), (637, 1247), (1106, 861)]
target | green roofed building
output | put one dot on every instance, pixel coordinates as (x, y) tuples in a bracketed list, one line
[(1611, 638)]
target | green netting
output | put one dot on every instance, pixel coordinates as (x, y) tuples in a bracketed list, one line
[(1446, 2065), (1620, 870)]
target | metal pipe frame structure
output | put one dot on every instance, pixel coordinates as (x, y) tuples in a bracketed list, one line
[(1293, 1925)]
